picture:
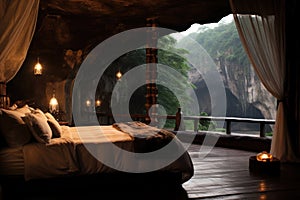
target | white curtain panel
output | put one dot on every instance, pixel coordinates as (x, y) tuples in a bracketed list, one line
[(261, 27), (17, 25)]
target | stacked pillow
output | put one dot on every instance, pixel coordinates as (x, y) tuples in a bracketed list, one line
[(19, 125), (38, 126), (13, 129), (54, 125)]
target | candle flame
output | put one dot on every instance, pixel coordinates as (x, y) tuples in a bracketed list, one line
[(264, 156)]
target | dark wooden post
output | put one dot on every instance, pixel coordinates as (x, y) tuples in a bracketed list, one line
[(151, 72), (179, 123), (4, 99), (262, 129), (228, 127)]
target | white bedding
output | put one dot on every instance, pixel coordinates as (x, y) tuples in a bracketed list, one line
[(11, 161), (68, 154)]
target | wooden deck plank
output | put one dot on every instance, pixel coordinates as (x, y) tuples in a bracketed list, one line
[(224, 174)]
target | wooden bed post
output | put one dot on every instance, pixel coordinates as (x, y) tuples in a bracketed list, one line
[(4, 99), (151, 73)]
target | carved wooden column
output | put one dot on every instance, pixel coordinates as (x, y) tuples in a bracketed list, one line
[(4, 99), (151, 71)]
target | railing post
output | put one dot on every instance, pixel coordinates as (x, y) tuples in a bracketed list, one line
[(196, 125), (262, 129), (228, 127), (179, 124)]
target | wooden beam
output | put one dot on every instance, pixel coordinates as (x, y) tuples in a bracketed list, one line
[(151, 72)]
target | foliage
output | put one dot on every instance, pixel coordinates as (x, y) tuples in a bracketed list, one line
[(167, 55), (173, 57), (270, 134), (220, 129), (205, 125), (223, 40)]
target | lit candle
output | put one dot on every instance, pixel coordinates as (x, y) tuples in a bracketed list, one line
[(264, 156)]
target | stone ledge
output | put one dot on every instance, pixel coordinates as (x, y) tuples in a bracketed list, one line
[(248, 143)]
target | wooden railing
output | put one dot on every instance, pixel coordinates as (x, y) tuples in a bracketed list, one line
[(228, 120), (179, 117)]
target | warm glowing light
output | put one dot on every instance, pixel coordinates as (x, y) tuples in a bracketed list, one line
[(88, 103), (98, 103), (262, 197), (262, 186), (38, 69), (118, 75), (53, 105), (264, 156)]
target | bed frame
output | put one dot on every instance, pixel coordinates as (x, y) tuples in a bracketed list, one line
[(152, 185)]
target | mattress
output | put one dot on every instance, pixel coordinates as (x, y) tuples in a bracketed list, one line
[(11, 161), (73, 154)]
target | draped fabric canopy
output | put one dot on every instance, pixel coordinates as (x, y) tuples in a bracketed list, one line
[(17, 25), (261, 27)]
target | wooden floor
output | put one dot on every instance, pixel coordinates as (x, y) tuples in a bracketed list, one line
[(224, 174)]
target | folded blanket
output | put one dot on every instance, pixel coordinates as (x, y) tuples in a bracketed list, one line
[(146, 138), (141, 130)]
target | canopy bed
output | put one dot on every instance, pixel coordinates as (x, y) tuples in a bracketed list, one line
[(35, 148)]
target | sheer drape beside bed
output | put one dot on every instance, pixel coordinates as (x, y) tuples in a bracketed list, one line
[(261, 27), (17, 26)]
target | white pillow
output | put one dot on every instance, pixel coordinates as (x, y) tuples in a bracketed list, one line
[(38, 125), (25, 109), (54, 125), (13, 128)]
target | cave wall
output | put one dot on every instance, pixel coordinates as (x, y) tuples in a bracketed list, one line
[(246, 86), (37, 90), (245, 94)]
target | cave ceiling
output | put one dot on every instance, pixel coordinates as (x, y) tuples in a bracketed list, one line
[(77, 24), (82, 24)]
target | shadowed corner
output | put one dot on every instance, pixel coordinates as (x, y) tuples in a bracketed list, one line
[(115, 186)]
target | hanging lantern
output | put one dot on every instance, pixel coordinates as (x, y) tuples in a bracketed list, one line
[(53, 105), (38, 68), (119, 75)]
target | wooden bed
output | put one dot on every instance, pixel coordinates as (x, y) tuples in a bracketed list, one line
[(83, 154)]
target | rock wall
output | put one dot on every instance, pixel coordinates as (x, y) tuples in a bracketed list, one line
[(246, 86), (245, 94)]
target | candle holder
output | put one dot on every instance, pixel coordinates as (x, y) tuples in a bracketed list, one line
[(264, 163)]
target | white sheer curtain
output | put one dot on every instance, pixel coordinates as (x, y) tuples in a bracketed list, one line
[(17, 26), (261, 27)]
